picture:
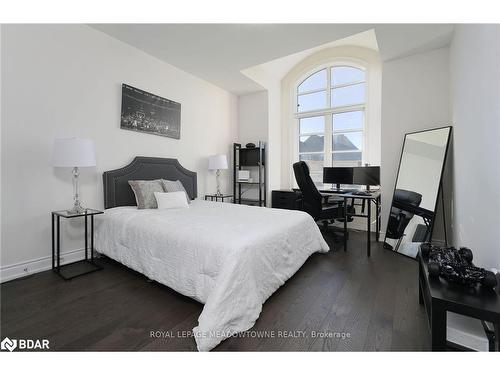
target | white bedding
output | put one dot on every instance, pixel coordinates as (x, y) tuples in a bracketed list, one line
[(229, 257)]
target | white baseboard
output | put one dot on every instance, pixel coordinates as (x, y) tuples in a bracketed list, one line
[(17, 270)]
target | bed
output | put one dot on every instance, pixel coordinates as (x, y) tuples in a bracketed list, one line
[(229, 257)]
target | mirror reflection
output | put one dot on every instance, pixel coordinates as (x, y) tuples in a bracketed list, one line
[(414, 202)]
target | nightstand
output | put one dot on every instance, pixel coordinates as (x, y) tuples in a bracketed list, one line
[(71, 270), (215, 197)]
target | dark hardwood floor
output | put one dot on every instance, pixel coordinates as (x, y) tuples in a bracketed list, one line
[(372, 302)]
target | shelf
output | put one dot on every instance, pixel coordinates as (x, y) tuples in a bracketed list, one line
[(251, 159)]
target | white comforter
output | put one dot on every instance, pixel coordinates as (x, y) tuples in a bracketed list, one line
[(229, 257)]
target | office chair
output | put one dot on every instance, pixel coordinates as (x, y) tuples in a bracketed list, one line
[(315, 203), (399, 218)]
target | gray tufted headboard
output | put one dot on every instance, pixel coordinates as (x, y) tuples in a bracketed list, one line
[(117, 191)]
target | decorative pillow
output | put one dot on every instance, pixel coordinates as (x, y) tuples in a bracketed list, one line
[(176, 199), (173, 186), (144, 192)]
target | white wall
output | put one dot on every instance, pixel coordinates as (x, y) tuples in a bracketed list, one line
[(252, 117), (475, 102), (415, 96), (65, 80)]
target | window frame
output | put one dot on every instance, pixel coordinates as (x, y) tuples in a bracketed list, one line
[(329, 111)]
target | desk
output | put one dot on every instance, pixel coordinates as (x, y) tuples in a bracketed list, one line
[(440, 296), (374, 197)]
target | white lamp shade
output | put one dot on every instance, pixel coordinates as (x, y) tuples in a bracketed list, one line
[(217, 162), (73, 152)]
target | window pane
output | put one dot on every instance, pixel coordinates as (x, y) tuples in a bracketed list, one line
[(309, 102), (314, 82), (312, 125), (348, 121), (311, 157), (347, 156), (312, 143), (346, 74), (315, 163), (348, 95), (348, 141)]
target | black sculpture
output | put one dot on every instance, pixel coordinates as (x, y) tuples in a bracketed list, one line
[(456, 265)]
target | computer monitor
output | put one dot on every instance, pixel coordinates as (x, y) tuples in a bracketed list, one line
[(366, 176), (338, 175)]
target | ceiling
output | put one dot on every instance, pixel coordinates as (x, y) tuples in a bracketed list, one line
[(269, 72), (219, 52)]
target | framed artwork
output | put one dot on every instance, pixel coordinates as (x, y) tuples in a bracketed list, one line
[(149, 113)]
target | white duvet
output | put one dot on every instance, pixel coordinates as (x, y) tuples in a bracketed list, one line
[(229, 257)]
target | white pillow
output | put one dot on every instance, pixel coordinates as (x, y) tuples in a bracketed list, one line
[(175, 199)]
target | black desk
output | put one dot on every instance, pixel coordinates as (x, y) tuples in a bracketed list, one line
[(440, 296), (374, 197)]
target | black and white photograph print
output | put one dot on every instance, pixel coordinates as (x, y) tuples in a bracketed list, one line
[(148, 113)]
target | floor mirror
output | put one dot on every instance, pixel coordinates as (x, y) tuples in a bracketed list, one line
[(418, 184)]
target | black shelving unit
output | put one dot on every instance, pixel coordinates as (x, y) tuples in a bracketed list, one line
[(251, 159)]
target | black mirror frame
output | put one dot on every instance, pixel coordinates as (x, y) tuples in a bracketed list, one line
[(440, 182)]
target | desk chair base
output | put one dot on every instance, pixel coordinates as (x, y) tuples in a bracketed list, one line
[(327, 229)]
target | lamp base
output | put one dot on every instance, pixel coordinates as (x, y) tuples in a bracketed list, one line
[(217, 175), (77, 209)]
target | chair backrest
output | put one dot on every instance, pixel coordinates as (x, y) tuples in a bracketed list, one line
[(311, 197), (399, 218), (408, 197)]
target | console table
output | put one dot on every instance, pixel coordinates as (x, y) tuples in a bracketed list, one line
[(440, 296)]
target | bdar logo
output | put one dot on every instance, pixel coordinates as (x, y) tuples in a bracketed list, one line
[(8, 344)]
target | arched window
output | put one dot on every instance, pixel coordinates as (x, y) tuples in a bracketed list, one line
[(330, 113)]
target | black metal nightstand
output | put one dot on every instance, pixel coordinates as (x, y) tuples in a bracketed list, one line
[(79, 268), (215, 197)]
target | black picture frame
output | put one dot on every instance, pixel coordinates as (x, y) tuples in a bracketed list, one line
[(145, 112), (440, 192)]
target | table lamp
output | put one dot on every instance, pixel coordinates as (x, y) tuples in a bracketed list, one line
[(217, 162), (74, 153)]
